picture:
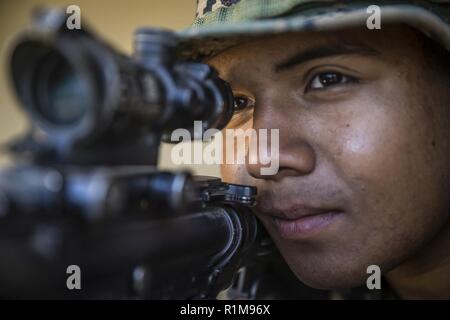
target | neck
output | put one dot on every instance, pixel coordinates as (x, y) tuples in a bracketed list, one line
[(426, 275)]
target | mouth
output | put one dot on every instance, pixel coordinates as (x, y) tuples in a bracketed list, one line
[(302, 222)]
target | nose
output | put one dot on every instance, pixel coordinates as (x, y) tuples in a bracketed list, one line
[(296, 156)]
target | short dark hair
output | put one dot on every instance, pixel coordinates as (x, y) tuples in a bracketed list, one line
[(437, 57)]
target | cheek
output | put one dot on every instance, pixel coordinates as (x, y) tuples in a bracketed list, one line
[(384, 154), (374, 147), (374, 157), (373, 160), (237, 174), (229, 173), (368, 148)]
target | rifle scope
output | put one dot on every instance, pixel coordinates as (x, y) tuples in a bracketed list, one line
[(77, 88)]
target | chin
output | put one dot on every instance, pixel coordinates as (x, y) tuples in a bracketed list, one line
[(330, 281), (328, 273)]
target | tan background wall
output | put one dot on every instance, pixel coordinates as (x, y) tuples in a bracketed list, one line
[(113, 19)]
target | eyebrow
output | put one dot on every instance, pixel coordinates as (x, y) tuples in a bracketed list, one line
[(325, 51)]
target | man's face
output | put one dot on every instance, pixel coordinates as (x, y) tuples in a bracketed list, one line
[(364, 152)]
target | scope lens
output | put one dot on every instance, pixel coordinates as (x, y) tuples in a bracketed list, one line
[(61, 92)]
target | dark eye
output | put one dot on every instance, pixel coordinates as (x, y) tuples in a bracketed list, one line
[(241, 103), (328, 79)]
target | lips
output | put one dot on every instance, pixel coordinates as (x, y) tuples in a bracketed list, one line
[(300, 221)]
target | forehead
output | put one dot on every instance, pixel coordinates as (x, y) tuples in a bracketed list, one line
[(393, 42)]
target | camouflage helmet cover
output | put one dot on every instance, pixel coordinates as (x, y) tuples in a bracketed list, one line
[(220, 24)]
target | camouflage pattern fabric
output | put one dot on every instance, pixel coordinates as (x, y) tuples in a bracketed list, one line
[(220, 24)]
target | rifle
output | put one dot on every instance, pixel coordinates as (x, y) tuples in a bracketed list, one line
[(84, 190)]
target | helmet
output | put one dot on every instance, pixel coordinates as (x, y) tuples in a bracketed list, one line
[(220, 24)]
